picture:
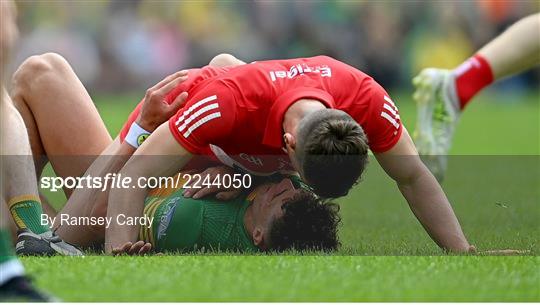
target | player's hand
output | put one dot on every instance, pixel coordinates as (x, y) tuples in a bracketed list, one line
[(221, 192), (155, 110), (505, 252), (129, 248), (472, 250)]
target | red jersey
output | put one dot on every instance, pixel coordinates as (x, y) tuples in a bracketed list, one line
[(237, 113)]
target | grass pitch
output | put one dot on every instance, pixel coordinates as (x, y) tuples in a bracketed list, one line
[(289, 278), (492, 183)]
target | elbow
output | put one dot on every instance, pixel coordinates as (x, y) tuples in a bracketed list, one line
[(418, 174)]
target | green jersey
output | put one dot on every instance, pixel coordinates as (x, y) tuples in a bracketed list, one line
[(184, 224)]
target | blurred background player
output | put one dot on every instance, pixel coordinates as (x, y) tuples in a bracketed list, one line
[(19, 184), (442, 94), (13, 283)]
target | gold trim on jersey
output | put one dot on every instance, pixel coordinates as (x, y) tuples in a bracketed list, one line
[(146, 232), (251, 196), (159, 194)]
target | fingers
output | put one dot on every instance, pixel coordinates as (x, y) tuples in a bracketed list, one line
[(506, 252), (123, 249), (211, 186), (169, 78), (224, 196), (197, 193), (178, 102), (138, 248), (171, 85), (200, 192), (145, 249)]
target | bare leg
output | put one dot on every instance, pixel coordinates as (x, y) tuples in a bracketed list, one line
[(62, 121), (86, 135), (516, 49), (10, 267), (65, 128), (18, 175)]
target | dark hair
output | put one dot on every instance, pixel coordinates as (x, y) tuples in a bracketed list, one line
[(332, 152), (307, 223)]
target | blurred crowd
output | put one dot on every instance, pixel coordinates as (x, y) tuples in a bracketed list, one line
[(127, 45)]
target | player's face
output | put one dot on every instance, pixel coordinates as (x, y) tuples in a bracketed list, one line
[(267, 205)]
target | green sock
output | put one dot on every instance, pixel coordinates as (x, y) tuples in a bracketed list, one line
[(6, 248), (26, 211)]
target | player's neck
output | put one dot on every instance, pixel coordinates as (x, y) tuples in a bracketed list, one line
[(248, 220), (297, 112)]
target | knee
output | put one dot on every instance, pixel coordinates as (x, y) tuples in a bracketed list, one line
[(38, 65)]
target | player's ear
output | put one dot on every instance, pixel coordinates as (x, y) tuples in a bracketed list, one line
[(290, 141), (258, 237)]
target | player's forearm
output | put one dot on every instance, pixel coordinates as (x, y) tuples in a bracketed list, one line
[(430, 205), (107, 164), (159, 156), (129, 202)]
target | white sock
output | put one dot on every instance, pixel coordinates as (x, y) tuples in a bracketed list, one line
[(10, 269)]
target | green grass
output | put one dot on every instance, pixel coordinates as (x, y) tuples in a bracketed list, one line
[(492, 183), (286, 278)]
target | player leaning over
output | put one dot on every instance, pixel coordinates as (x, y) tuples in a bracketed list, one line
[(316, 116), (274, 216), (441, 95)]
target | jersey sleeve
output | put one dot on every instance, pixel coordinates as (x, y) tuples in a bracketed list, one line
[(207, 118), (384, 126)]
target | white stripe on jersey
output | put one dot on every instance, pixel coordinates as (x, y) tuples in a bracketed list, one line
[(386, 98), (390, 119), (197, 114), (392, 111), (197, 104), (200, 122)]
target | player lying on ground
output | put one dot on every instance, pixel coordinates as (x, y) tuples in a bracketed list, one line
[(441, 95), (274, 216), (315, 116)]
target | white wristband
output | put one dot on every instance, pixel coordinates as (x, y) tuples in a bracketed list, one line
[(136, 135)]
